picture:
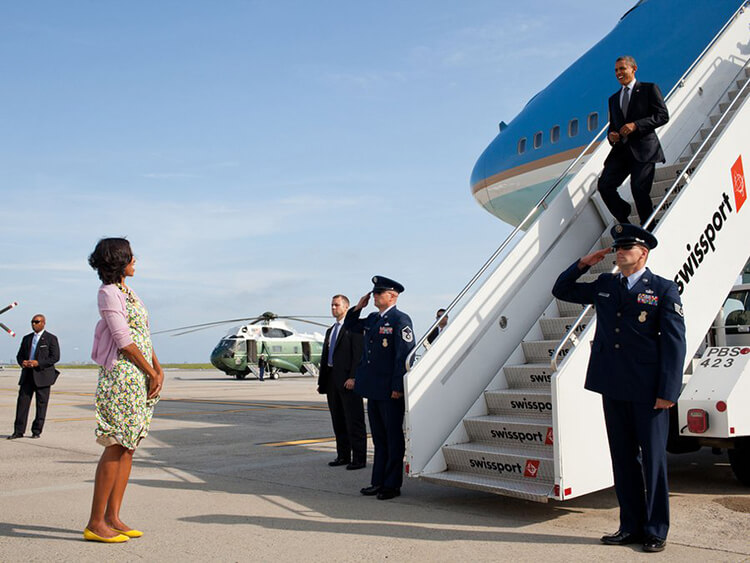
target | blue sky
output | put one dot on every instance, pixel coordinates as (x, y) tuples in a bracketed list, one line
[(258, 155)]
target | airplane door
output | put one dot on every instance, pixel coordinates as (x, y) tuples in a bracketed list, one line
[(305, 351), (252, 351)]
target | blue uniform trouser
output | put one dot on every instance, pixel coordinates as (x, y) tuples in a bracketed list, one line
[(386, 426), (637, 443)]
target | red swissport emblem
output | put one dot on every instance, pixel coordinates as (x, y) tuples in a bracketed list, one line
[(738, 181), (531, 469), (548, 441)]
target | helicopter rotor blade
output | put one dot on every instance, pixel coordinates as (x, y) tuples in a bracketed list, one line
[(306, 320), (205, 325)]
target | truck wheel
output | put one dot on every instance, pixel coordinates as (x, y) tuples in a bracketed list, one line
[(739, 459)]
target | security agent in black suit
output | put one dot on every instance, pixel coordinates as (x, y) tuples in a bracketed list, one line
[(37, 356), (636, 365), (388, 339), (342, 351), (439, 328), (635, 111)]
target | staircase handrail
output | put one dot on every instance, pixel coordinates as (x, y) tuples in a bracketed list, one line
[(685, 173)]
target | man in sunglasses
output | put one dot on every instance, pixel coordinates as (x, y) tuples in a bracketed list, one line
[(636, 364), (388, 339), (37, 356)]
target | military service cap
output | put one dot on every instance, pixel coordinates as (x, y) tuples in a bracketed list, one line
[(381, 283), (632, 234)]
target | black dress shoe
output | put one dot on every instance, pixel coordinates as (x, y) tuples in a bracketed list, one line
[(36, 435), (370, 491), (356, 465), (654, 544), (15, 436), (338, 461), (621, 538), (387, 494)]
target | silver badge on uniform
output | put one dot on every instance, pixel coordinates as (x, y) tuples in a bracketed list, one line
[(678, 309), (407, 334), (642, 316)]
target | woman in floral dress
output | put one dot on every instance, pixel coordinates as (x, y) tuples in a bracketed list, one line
[(130, 380)]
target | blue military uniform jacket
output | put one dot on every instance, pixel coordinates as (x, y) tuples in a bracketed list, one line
[(387, 342), (638, 350)]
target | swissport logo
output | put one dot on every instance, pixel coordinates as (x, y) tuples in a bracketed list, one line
[(532, 468), (549, 440), (738, 181)]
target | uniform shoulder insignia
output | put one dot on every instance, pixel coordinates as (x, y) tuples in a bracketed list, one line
[(678, 309), (407, 334)]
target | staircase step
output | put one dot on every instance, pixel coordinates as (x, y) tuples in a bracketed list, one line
[(568, 309), (706, 131), (695, 145), (714, 118), (541, 350), (534, 403), (605, 266), (524, 376), (528, 490), (511, 431), (701, 155), (659, 189), (555, 329), (667, 172), (517, 464)]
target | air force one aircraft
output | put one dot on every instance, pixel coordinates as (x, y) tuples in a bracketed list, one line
[(534, 149)]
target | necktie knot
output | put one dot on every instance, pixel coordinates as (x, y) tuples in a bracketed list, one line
[(624, 282)]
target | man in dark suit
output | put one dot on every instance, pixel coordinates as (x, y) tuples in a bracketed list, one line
[(635, 111), (341, 353), (439, 328), (37, 356), (388, 339), (636, 363)]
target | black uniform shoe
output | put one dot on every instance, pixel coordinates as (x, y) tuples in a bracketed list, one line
[(356, 465), (621, 538), (370, 491), (15, 436), (387, 494), (338, 461), (654, 544), (36, 435)]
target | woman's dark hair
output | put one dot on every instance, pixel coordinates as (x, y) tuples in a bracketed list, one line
[(109, 259)]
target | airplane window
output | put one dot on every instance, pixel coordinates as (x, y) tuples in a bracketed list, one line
[(593, 121), (573, 128), (554, 134), (537, 140), (296, 349), (276, 349), (522, 145)]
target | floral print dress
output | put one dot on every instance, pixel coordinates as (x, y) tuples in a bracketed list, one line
[(123, 412)]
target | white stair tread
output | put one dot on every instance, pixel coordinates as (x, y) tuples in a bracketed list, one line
[(481, 447), (539, 491), (509, 419)]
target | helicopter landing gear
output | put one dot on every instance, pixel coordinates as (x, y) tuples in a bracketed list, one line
[(240, 375)]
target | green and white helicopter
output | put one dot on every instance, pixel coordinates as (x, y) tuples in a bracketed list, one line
[(264, 347)]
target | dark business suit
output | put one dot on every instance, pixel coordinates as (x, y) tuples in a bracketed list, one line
[(347, 409), (636, 154), (36, 380), (388, 339), (637, 356)]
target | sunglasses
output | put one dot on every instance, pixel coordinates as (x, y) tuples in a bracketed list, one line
[(36, 322), (630, 246)]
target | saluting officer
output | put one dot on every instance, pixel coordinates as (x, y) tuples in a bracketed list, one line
[(636, 365), (388, 339)]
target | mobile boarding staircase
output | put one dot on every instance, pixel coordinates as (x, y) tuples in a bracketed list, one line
[(497, 403)]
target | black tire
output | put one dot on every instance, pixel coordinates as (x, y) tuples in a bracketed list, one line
[(240, 375), (739, 459)]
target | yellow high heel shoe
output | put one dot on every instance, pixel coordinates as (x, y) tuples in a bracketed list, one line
[(88, 535), (129, 533)]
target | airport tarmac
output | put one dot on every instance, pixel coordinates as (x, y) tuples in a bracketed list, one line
[(237, 471)]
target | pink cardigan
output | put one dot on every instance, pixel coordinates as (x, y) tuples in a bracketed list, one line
[(112, 332)]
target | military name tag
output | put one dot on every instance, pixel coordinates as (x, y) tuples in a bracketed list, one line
[(647, 299), (642, 316), (385, 343)]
